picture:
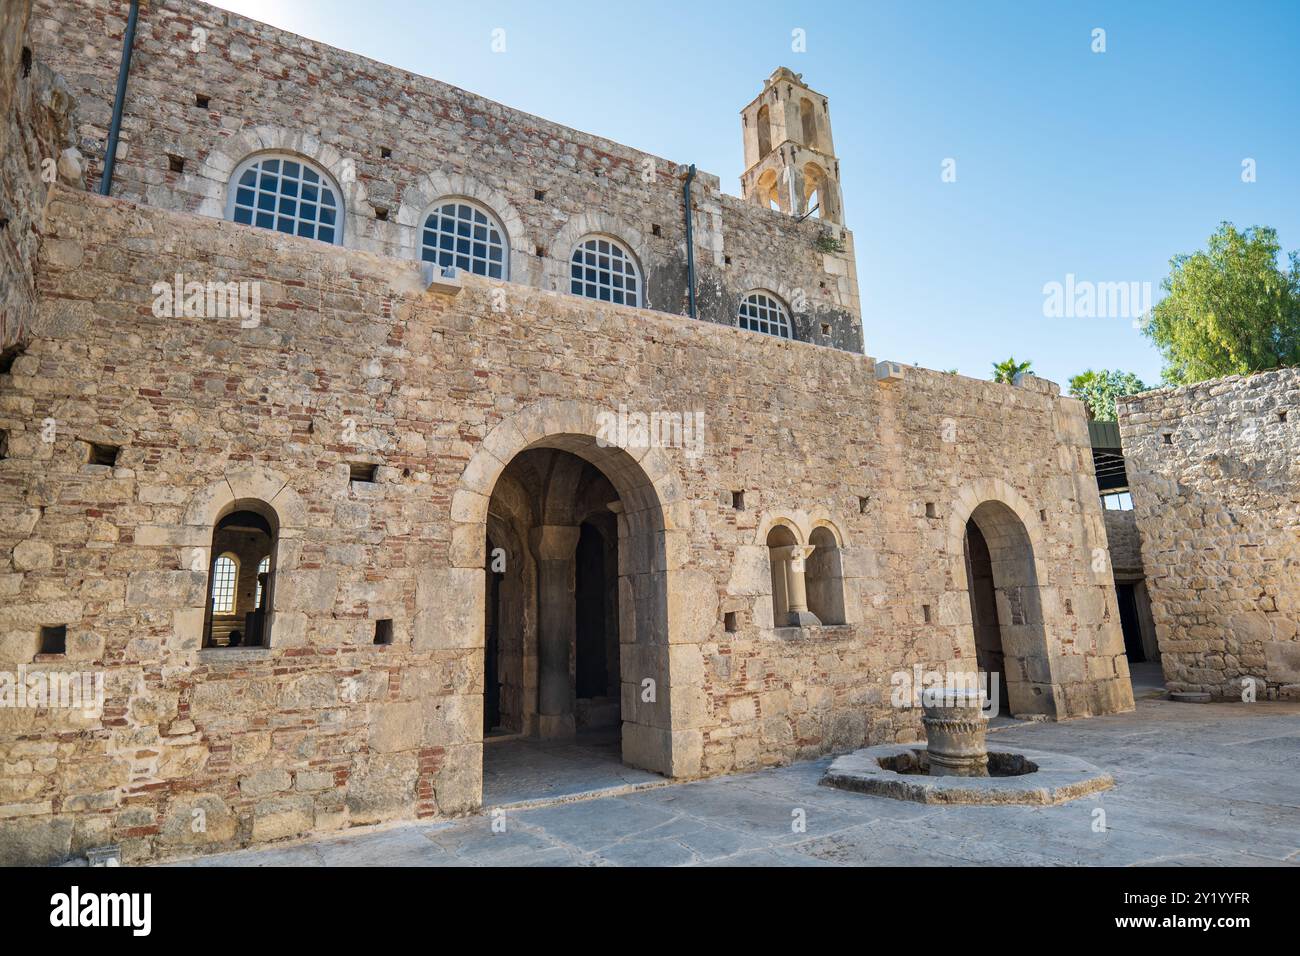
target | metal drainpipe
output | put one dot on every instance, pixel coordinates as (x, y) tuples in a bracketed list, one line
[(690, 239), (110, 158)]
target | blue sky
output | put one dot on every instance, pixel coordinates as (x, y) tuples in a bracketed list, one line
[(1100, 165)]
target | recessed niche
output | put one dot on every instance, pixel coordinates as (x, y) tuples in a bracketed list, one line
[(384, 631), (729, 622), (930, 510), (201, 101), (738, 500), (362, 471), (103, 454), (54, 639)]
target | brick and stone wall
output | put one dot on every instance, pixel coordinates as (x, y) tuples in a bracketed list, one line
[(1215, 477), (324, 729), (548, 184), (35, 147)]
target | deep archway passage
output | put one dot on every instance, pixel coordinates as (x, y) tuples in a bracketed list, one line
[(575, 612), (1006, 608)]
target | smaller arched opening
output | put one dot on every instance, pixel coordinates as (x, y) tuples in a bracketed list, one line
[(825, 577), (815, 194), (808, 120), (788, 558), (1006, 608), (241, 578)]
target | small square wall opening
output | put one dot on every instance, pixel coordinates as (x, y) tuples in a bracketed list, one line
[(925, 612), (826, 328), (384, 631), (930, 510), (1281, 416), (1167, 437), (656, 229), (738, 500), (729, 622), (27, 61), (175, 164), (863, 501), (539, 194), (54, 639), (726, 260), (1042, 515), (381, 213), (201, 101), (541, 252), (362, 471), (4, 445), (103, 454), (385, 152)]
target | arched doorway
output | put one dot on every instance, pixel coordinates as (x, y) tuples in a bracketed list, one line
[(1006, 608), (576, 648)]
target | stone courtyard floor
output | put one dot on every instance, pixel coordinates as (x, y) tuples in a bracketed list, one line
[(1196, 785)]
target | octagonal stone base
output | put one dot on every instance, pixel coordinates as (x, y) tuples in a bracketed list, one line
[(1057, 779)]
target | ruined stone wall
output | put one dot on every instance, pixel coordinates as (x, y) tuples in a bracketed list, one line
[(324, 729), (1215, 475), (35, 129), (549, 185)]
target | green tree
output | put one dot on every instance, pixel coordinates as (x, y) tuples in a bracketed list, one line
[(1007, 371), (1229, 309), (1098, 391)]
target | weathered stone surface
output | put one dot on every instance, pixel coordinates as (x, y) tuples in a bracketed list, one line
[(1216, 492)]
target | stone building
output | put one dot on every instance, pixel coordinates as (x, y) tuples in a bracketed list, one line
[(531, 493), (1215, 476)]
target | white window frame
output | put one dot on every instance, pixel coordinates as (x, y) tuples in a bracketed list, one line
[(493, 224), (326, 181), (772, 304), (218, 587), (263, 567), (590, 247)]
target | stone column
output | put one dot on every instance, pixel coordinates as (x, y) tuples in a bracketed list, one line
[(796, 592), (555, 547)]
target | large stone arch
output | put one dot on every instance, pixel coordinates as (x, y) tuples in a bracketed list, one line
[(220, 163), (556, 268), (666, 608), (1013, 534), (431, 187)]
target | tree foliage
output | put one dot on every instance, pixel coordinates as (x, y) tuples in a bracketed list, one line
[(1007, 371), (1098, 390), (1229, 309)]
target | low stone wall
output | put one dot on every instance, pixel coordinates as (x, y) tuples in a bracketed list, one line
[(352, 359), (1214, 470)]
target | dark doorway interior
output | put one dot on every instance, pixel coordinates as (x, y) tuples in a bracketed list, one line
[(989, 654), (592, 668), (492, 649), (1128, 621)]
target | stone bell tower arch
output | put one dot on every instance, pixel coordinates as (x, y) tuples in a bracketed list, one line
[(790, 161)]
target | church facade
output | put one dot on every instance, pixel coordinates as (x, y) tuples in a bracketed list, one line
[(365, 420)]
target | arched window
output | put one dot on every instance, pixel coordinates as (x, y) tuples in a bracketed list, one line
[(263, 567), (240, 599), (763, 312), (602, 268), (825, 577), (287, 194), (463, 234), (764, 131), (225, 572)]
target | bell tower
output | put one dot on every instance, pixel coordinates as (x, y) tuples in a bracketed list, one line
[(790, 161)]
